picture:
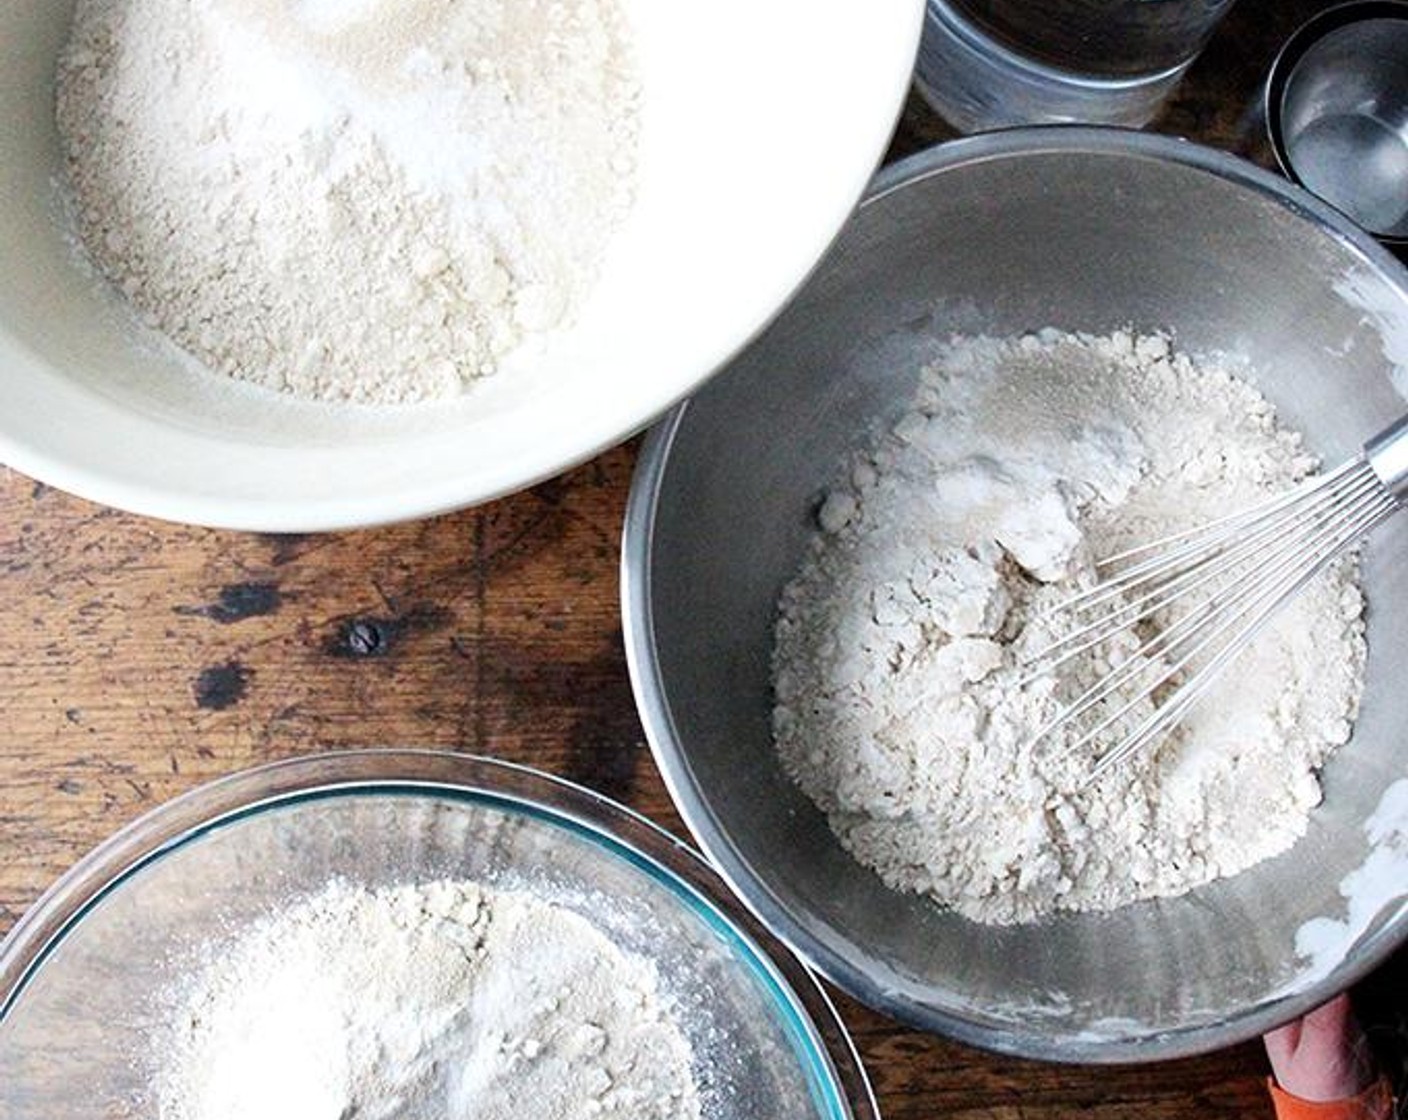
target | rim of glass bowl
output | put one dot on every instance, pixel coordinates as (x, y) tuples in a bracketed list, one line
[(821, 1039)]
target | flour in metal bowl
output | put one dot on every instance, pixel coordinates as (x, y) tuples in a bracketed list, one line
[(903, 706)]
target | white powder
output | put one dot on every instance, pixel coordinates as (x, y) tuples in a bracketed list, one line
[(898, 647), (368, 201), (442, 1001)]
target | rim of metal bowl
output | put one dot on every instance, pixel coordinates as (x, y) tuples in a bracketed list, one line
[(824, 1042), (649, 686)]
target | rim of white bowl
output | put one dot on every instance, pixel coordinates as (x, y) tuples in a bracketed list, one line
[(533, 461)]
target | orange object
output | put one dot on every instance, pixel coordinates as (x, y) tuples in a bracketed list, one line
[(1374, 1103)]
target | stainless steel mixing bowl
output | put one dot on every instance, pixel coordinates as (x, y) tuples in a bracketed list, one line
[(1081, 229)]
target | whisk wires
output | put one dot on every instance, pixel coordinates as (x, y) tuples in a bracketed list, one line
[(1195, 600)]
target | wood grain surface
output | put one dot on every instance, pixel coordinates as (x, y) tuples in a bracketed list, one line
[(141, 658)]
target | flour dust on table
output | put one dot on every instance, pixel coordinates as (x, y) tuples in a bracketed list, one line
[(367, 200), (436, 1001), (903, 708)]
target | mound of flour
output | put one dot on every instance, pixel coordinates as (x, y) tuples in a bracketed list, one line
[(899, 705), (441, 1001), (363, 200)]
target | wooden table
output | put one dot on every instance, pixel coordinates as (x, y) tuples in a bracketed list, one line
[(140, 659)]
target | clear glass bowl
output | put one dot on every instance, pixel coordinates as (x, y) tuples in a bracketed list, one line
[(81, 972)]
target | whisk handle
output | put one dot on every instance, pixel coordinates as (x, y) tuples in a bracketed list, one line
[(1387, 455)]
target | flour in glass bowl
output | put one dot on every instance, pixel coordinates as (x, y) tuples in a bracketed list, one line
[(353, 200), (897, 661), (445, 1000)]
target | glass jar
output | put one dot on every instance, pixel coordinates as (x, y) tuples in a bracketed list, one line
[(993, 63)]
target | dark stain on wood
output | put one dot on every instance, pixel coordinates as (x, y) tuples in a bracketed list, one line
[(552, 492), (285, 546), (607, 744), (372, 636), (221, 686), (361, 637), (239, 601)]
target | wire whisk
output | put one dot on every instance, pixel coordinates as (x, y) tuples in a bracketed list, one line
[(1237, 571)]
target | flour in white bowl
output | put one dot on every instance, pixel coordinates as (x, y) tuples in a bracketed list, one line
[(436, 1001), (899, 708), (369, 200)]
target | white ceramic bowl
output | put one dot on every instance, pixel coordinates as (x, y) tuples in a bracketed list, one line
[(762, 123)]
